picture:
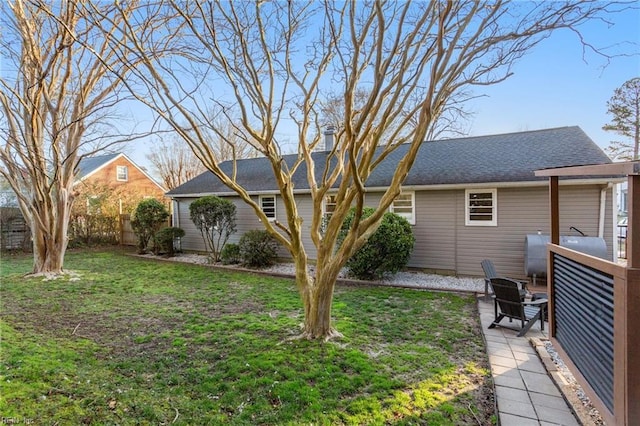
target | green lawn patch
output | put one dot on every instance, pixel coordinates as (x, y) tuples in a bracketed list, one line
[(135, 341)]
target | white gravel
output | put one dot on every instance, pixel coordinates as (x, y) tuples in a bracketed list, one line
[(593, 413), (404, 279)]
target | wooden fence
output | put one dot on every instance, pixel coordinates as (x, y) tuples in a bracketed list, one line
[(15, 234), (127, 236)]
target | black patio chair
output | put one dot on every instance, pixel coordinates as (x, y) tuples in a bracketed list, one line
[(490, 272), (508, 303)]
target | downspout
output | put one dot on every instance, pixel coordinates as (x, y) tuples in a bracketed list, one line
[(603, 205), (176, 213), (176, 222)]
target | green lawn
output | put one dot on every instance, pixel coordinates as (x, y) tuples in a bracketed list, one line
[(133, 341)]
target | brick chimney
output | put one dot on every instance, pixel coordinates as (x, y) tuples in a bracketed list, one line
[(328, 137)]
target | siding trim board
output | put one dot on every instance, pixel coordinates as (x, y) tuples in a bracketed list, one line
[(528, 184)]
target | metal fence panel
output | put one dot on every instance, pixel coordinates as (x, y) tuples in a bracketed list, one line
[(583, 310)]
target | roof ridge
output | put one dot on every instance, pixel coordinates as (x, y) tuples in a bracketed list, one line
[(102, 155), (522, 132)]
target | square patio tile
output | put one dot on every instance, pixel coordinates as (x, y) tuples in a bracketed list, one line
[(516, 408), (495, 338), (501, 352), (503, 361), (524, 352), (533, 365), (541, 401), (560, 417), (498, 344), (509, 382), (512, 394), (511, 420), (540, 383), (499, 370)]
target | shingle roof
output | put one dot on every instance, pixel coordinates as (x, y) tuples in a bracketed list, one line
[(89, 164), (511, 157)]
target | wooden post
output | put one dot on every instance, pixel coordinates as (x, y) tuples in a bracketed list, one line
[(633, 221), (554, 213), (554, 204), (632, 311)]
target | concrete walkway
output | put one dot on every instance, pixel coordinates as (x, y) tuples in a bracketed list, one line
[(525, 393)]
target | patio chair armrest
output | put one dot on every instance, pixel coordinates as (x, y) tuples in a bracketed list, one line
[(539, 302)]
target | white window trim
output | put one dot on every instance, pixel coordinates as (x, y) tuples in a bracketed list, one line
[(412, 218), (324, 204), (275, 212), (494, 207), (126, 172)]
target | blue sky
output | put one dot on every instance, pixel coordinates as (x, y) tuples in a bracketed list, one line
[(556, 84)]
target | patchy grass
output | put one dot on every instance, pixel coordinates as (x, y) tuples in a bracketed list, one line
[(133, 341)]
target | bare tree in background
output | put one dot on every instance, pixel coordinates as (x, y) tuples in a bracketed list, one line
[(452, 121), (174, 162), (56, 99), (624, 107), (274, 63)]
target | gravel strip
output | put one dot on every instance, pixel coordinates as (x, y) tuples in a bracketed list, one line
[(403, 279), (594, 416)]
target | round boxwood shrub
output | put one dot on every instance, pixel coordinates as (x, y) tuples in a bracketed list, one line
[(148, 218), (164, 239), (258, 249), (387, 250), (230, 254)]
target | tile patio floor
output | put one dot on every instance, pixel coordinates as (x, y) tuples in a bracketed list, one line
[(525, 393)]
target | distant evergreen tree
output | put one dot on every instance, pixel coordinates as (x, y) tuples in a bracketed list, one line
[(624, 106)]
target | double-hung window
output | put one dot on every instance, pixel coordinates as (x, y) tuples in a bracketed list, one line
[(481, 207), (268, 206), (404, 205), (329, 206), (122, 173)]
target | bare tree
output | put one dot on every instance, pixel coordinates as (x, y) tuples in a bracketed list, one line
[(174, 162), (451, 122), (228, 140), (274, 63), (56, 99), (624, 107)]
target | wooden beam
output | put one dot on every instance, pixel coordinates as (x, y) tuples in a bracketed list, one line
[(611, 169)]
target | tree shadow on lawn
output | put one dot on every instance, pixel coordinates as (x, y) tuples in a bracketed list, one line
[(218, 351)]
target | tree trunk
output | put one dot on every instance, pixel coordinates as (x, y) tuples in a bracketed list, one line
[(48, 254), (50, 239), (317, 299)]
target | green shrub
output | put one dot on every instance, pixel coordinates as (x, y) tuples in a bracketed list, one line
[(258, 249), (149, 216), (230, 254), (164, 239), (388, 249), (215, 217)]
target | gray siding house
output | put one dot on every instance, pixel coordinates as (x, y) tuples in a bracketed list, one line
[(468, 199)]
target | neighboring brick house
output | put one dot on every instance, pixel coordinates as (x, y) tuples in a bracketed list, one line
[(112, 184)]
